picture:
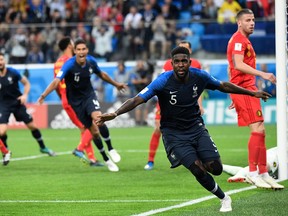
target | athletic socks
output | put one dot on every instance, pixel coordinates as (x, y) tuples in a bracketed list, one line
[(4, 140), (209, 184), (99, 145), (3, 148), (37, 135), (257, 152), (154, 143), (104, 131)]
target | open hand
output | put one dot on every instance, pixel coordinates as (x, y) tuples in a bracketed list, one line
[(263, 95), (105, 117)]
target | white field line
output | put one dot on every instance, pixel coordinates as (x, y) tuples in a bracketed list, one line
[(191, 202), (90, 201)]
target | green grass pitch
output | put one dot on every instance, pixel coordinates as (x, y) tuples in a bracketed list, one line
[(35, 184)]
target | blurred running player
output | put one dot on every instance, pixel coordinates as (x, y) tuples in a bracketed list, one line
[(12, 101), (66, 45), (80, 94)]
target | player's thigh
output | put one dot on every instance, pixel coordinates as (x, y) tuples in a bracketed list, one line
[(5, 114), (21, 114), (207, 150), (248, 109)]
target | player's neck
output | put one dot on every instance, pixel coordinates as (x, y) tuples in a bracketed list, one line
[(3, 71), (244, 33)]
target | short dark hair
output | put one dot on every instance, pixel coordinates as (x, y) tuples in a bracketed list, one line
[(180, 50), (185, 42), (64, 42), (2, 54), (79, 41), (242, 12)]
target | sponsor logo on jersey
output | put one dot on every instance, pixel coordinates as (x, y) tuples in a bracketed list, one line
[(238, 47)]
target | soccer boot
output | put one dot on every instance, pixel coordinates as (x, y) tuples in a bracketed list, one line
[(226, 204), (274, 185), (47, 151), (112, 166), (258, 182), (81, 155), (236, 179), (149, 165), (96, 164), (6, 158), (114, 155)]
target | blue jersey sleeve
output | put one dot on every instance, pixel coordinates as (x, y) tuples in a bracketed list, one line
[(211, 82), (154, 87), (16, 73), (65, 68), (93, 62)]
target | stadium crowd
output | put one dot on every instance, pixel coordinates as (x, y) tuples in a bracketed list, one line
[(114, 30)]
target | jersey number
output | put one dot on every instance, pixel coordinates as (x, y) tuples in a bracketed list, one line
[(173, 100), (76, 78), (96, 103)]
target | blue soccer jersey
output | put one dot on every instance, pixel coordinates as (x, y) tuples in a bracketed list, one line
[(9, 87), (178, 100), (77, 79)]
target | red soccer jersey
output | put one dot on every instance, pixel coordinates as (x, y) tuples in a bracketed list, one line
[(239, 44), (57, 67), (168, 66)]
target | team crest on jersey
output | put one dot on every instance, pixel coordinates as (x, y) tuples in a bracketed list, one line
[(259, 113), (90, 70), (195, 88), (10, 80)]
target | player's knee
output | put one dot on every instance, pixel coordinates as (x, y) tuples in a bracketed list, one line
[(215, 167), (197, 171)]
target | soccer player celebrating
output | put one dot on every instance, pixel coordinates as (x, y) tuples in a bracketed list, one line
[(80, 94), (155, 138), (66, 45), (185, 137), (13, 101), (242, 71)]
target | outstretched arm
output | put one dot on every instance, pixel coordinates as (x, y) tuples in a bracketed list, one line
[(128, 105), (52, 86), (228, 87), (120, 86)]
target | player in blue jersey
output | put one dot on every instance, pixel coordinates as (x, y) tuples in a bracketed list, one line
[(12, 102), (80, 93), (185, 137)]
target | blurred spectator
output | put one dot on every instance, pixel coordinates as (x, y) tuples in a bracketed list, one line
[(155, 6), (210, 10), (4, 36), (17, 45), (116, 19), (159, 41), (16, 13), (197, 10), (57, 5), (82, 7), (122, 75), (228, 11), (148, 16), (90, 43), (132, 26), (104, 10), (3, 10), (173, 10), (140, 78), (37, 11), (90, 12), (103, 41), (35, 55), (165, 12)]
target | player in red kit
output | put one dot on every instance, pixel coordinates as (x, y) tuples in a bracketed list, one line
[(155, 138), (66, 46), (242, 72)]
